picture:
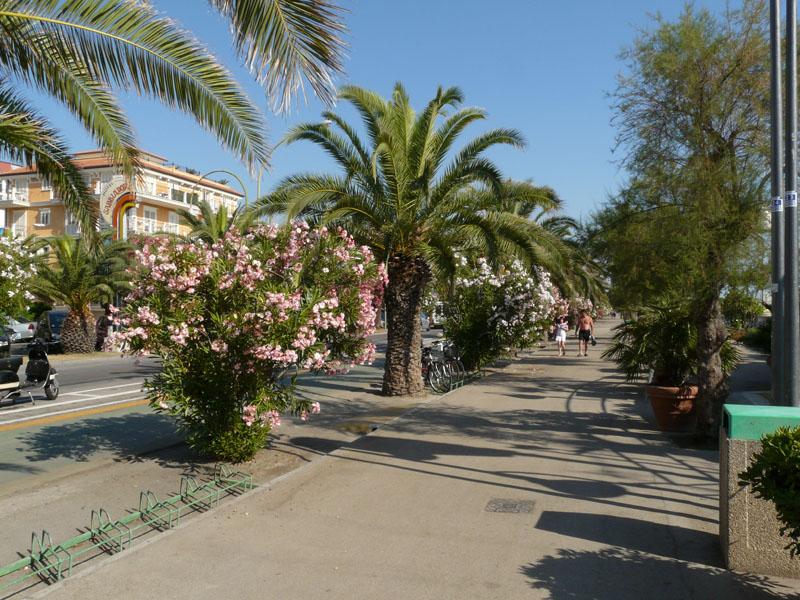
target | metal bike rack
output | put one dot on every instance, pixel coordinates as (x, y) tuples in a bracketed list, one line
[(52, 562)]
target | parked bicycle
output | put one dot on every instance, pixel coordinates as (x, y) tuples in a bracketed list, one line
[(442, 368), (452, 360), (434, 371)]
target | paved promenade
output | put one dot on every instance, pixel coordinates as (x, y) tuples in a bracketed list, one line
[(545, 480)]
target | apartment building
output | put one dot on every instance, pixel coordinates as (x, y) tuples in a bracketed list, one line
[(150, 204)]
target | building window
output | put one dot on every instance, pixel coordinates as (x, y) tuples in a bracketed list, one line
[(46, 186), (150, 213), (19, 224), (71, 226), (193, 198), (177, 195), (44, 217)]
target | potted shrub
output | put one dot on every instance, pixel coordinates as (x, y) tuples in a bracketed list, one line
[(774, 474), (662, 344)]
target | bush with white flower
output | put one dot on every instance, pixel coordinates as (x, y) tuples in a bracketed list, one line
[(492, 312), (579, 304), (17, 269), (235, 320)]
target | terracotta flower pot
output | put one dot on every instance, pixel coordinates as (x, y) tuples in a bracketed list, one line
[(674, 407)]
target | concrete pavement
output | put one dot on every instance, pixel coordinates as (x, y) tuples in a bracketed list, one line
[(545, 480)]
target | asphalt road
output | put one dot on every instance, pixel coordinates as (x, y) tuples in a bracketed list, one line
[(101, 407)]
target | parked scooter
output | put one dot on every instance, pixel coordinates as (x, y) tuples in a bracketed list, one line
[(38, 374)]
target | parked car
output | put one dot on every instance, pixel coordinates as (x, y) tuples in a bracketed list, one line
[(20, 331), (48, 328)]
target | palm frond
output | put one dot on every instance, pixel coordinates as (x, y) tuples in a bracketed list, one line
[(34, 59), (129, 45), (284, 41), (28, 139)]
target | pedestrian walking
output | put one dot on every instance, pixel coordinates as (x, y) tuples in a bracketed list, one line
[(101, 327), (561, 334), (585, 331)]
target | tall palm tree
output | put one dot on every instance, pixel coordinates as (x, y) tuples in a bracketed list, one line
[(79, 50), (77, 274), (400, 193), (211, 225), (559, 246)]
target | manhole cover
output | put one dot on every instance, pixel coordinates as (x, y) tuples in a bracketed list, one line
[(503, 505)]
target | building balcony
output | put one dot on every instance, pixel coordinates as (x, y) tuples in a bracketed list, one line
[(136, 224), (164, 200), (13, 200)]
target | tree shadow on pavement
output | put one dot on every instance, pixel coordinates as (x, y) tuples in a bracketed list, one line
[(14, 468), (414, 450), (125, 437), (623, 574), (430, 458), (668, 541)]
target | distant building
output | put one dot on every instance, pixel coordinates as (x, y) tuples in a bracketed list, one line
[(29, 206)]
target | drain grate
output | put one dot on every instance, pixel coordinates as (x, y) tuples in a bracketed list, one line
[(504, 505)]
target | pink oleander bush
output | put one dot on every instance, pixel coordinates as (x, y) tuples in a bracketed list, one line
[(234, 321)]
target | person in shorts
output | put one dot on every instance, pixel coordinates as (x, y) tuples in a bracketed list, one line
[(585, 331), (561, 334)]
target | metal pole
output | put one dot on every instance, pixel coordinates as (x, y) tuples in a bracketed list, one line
[(776, 191), (791, 342)]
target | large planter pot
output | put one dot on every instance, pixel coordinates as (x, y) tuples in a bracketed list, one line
[(674, 407)]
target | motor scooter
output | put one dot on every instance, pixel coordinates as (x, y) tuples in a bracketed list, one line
[(38, 374)]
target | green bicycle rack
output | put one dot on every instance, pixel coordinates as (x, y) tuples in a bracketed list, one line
[(159, 515), (49, 560), (52, 562), (205, 495), (111, 536)]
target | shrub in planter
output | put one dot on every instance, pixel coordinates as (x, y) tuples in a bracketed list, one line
[(662, 342), (774, 474), (233, 321)]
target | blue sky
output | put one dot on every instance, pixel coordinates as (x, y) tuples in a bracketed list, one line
[(541, 66)]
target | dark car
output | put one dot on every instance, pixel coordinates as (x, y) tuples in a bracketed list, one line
[(48, 328)]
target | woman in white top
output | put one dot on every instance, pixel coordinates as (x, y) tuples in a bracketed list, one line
[(561, 334)]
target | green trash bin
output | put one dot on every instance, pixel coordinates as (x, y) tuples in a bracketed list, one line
[(749, 529)]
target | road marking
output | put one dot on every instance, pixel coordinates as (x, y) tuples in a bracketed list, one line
[(12, 410), (70, 414), (100, 389)]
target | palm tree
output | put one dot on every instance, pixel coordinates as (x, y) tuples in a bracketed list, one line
[(211, 225), (560, 247), (77, 51), (77, 274), (399, 195)]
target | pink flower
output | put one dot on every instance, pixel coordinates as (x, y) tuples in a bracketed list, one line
[(315, 408), (249, 414), (219, 346)]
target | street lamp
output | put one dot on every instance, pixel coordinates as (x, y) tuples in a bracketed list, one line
[(232, 174)]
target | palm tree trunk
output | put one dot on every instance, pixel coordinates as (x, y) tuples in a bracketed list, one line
[(408, 277), (77, 331), (713, 385)]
